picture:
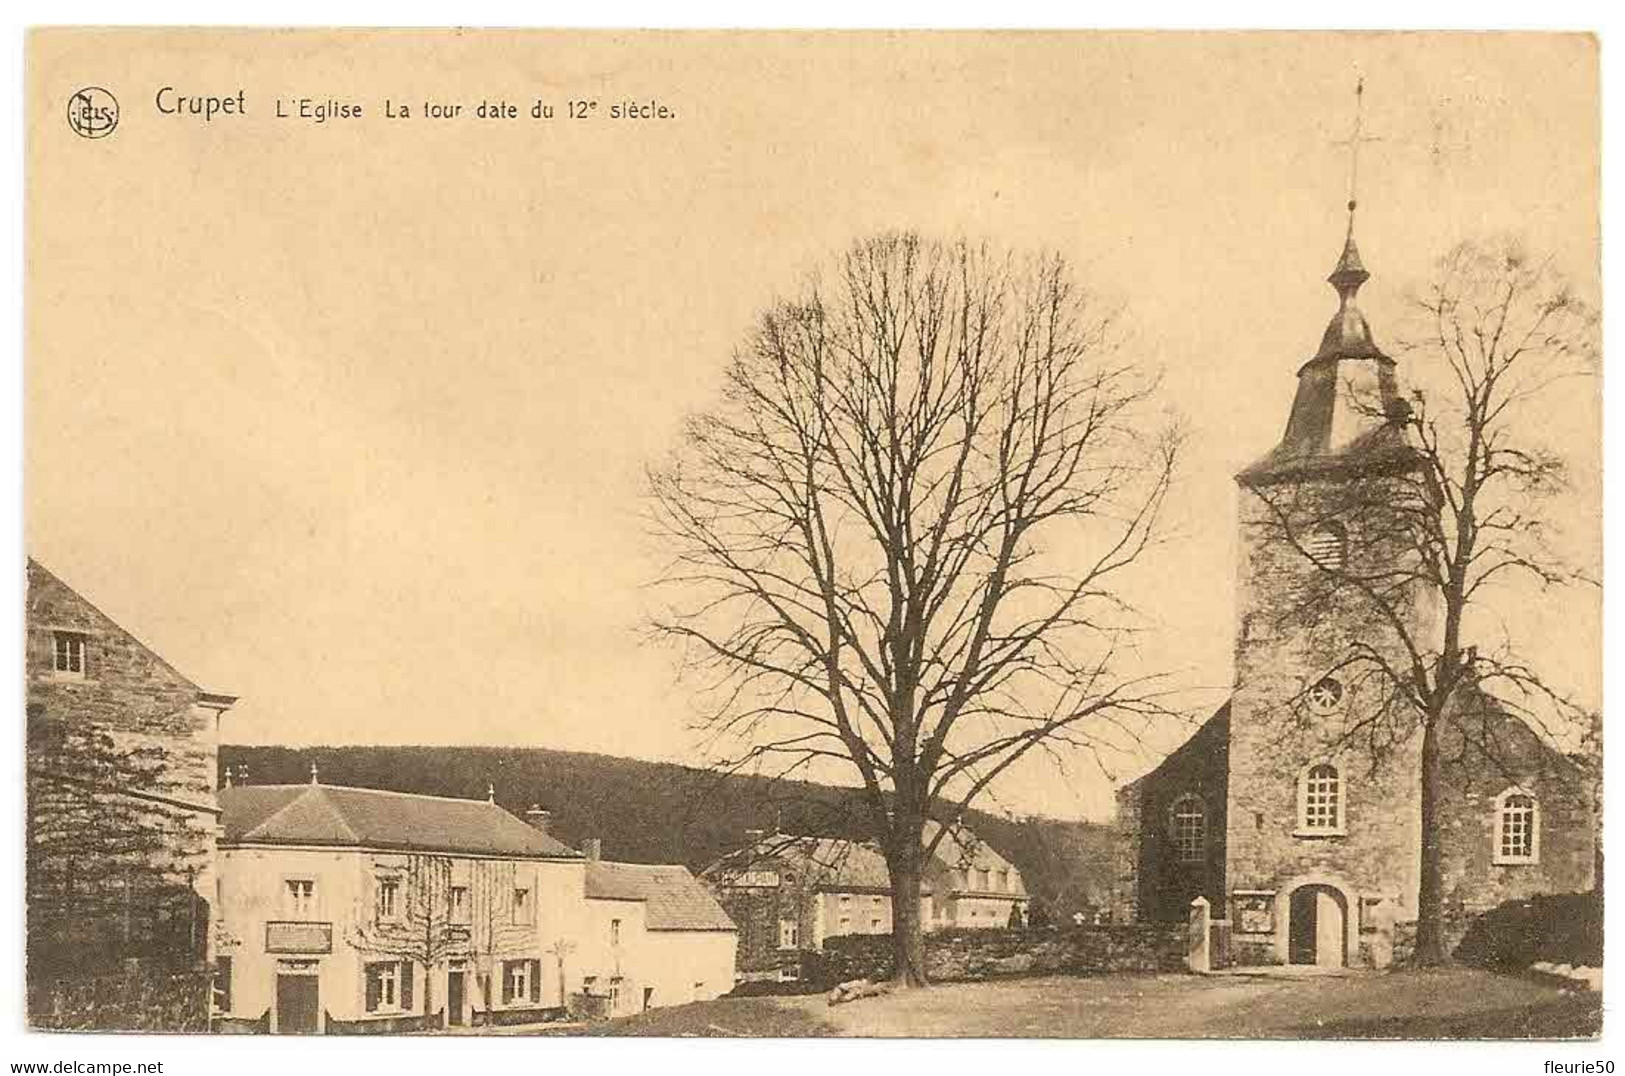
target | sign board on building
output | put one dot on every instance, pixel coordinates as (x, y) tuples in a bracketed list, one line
[(1254, 912), (752, 879), (290, 937)]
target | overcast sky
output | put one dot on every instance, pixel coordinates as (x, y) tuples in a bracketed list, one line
[(350, 419)]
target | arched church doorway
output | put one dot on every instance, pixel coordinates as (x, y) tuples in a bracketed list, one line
[(1317, 927)]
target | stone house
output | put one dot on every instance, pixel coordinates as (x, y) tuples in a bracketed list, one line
[(655, 937), (360, 910), (789, 893), (1306, 846), (121, 801)]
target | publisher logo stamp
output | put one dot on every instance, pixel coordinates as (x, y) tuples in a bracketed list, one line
[(92, 112)]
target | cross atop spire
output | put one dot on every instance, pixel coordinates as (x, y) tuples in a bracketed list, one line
[(1348, 335), (1356, 136)]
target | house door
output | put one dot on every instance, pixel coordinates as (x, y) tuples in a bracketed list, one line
[(1317, 927), (297, 1000), (454, 997)]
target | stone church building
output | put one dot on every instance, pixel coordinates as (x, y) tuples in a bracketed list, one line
[(1306, 840)]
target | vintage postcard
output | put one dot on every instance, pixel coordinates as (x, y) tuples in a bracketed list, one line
[(891, 534)]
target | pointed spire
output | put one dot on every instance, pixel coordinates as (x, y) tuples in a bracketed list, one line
[(1348, 336), (1349, 273)]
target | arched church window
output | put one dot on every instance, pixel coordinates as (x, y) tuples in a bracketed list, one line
[(1328, 546), (1517, 827), (1325, 696), (1188, 821), (1320, 800)]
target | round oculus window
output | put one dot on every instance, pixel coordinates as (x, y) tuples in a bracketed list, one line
[(1325, 696)]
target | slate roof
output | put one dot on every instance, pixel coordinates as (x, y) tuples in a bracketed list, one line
[(1334, 427), (963, 850), (834, 863), (673, 898), (838, 864), (341, 817)]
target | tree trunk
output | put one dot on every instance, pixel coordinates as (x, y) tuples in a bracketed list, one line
[(908, 943), (1430, 892)]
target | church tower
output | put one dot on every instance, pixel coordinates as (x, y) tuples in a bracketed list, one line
[(1322, 840), (1292, 816)]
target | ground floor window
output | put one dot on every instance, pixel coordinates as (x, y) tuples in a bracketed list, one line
[(389, 986), (1517, 828), (521, 981)]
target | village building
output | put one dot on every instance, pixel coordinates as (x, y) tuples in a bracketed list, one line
[(789, 893), (656, 937), (122, 811), (1305, 845), (360, 910)]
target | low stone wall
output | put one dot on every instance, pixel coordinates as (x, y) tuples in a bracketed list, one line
[(965, 955), (136, 1000), (384, 1025)]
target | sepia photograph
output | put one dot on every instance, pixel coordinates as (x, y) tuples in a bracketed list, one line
[(928, 534)]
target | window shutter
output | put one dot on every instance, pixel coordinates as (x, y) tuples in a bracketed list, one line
[(372, 987), (406, 985), (536, 982), (222, 983), (507, 983)]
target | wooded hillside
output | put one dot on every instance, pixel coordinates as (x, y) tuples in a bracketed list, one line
[(657, 812)]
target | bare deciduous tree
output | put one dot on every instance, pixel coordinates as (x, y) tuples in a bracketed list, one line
[(442, 914), (1452, 522), (897, 540), (422, 930)]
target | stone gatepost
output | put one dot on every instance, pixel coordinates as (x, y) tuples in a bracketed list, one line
[(1198, 955)]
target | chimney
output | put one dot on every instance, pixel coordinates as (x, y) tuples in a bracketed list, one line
[(592, 848), (539, 817)]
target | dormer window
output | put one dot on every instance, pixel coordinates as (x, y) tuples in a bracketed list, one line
[(68, 655)]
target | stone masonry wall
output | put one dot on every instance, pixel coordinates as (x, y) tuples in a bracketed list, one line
[(1289, 638), (961, 955), (138, 700), (1153, 884), (1497, 753)]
